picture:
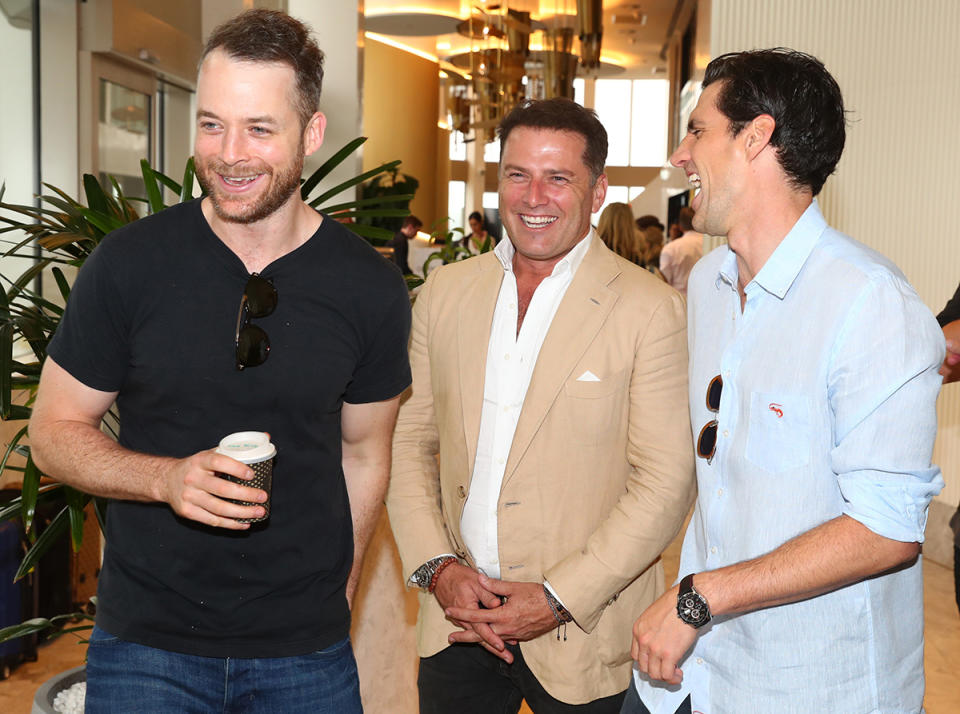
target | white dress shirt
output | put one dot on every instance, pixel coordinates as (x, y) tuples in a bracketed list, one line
[(511, 358)]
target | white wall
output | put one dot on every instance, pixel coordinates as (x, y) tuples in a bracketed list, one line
[(58, 94), (17, 165), (339, 32), (896, 183)]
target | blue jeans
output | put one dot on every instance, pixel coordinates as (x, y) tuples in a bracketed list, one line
[(124, 677)]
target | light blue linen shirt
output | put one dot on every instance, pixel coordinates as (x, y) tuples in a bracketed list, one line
[(828, 407)]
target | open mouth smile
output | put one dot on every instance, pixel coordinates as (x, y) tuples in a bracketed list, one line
[(537, 221), (239, 181)]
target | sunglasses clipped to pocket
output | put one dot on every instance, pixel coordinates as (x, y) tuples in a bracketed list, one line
[(252, 342), (707, 441)]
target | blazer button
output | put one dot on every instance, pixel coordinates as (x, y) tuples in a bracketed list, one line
[(461, 491)]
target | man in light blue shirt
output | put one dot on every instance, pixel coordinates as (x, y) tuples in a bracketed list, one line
[(813, 382)]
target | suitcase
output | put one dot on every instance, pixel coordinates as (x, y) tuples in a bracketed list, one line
[(11, 596)]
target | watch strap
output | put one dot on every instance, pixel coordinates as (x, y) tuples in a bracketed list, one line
[(424, 576), (692, 606)]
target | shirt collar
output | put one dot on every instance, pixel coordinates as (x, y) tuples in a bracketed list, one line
[(782, 267), (570, 262)]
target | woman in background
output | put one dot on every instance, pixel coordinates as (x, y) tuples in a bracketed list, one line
[(653, 236), (478, 232), (617, 229)]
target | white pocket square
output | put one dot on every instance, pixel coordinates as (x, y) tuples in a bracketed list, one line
[(588, 376)]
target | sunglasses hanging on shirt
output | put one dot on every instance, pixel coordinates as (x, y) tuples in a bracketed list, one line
[(252, 343), (707, 442)]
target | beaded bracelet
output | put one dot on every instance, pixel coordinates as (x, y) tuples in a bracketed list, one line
[(436, 573)]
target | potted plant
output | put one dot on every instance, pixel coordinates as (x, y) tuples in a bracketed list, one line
[(452, 249), (66, 231), (388, 187)]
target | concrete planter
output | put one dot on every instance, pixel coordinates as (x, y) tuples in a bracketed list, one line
[(43, 699)]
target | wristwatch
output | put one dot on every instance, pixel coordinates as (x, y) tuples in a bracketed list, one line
[(692, 607), (423, 576)]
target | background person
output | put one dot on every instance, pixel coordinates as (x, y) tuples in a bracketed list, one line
[(401, 242), (680, 255), (478, 232), (619, 232), (653, 240), (949, 319)]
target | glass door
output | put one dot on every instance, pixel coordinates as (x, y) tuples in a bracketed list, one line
[(124, 136)]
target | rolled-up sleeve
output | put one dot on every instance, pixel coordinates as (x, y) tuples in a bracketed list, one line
[(883, 385)]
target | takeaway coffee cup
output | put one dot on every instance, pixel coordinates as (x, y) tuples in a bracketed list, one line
[(254, 449)]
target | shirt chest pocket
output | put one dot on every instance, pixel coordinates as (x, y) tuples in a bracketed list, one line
[(593, 408), (779, 431)]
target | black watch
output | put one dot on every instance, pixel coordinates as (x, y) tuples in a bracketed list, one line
[(692, 607)]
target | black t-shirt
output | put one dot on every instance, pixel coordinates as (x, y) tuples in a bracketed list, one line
[(152, 316)]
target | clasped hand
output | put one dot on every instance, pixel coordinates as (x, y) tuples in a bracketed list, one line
[(492, 612)]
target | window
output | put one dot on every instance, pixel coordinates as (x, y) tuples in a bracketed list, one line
[(637, 137), (648, 144), (491, 152), (618, 194), (457, 203), (615, 194), (612, 95), (458, 149)]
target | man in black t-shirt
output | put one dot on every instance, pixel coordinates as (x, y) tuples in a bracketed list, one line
[(198, 610)]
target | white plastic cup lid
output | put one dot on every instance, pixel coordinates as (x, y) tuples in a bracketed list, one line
[(247, 446)]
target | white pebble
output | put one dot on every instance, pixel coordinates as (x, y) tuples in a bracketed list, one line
[(70, 700)]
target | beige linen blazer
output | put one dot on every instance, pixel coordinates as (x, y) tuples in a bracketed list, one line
[(600, 473)]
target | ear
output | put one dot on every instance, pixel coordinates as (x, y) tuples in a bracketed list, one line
[(313, 133), (599, 192), (757, 134)]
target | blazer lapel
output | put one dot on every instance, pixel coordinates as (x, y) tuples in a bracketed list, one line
[(474, 320), (581, 314)]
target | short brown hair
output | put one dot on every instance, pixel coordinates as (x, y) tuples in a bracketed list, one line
[(560, 114), (273, 36)]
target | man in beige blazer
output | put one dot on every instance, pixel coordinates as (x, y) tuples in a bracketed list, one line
[(542, 461)]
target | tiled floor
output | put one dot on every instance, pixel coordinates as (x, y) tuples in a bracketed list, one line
[(942, 650)]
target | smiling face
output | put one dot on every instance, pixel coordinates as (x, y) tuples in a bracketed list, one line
[(546, 193), (710, 157), (250, 144)]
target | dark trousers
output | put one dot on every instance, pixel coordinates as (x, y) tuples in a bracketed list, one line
[(466, 679), (956, 573), (633, 705)]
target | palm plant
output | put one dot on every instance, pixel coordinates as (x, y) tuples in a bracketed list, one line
[(452, 249), (66, 231)]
